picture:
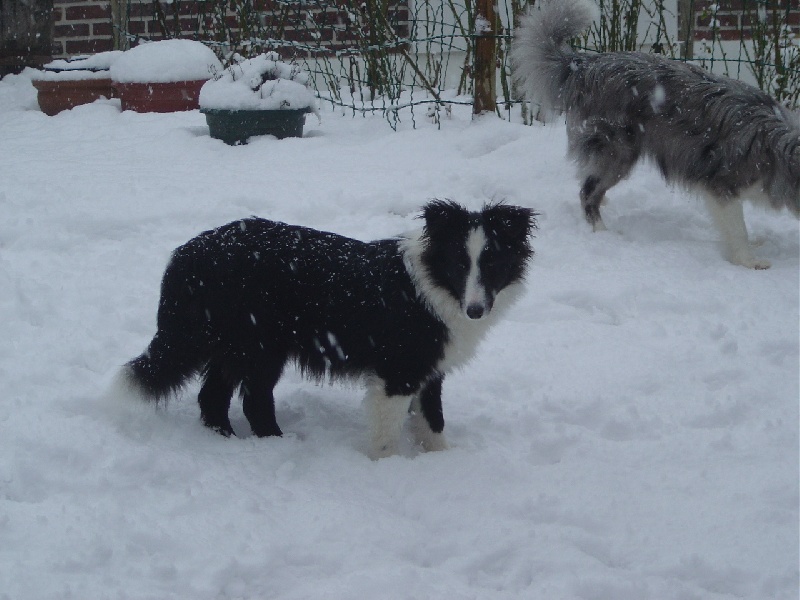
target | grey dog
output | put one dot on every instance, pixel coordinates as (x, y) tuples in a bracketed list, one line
[(716, 136)]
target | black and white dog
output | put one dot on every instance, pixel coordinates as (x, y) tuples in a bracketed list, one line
[(239, 302), (717, 136)]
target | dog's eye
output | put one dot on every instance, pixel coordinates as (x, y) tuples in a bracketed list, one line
[(488, 255), (495, 260)]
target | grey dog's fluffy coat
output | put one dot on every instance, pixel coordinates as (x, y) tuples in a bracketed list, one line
[(714, 135)]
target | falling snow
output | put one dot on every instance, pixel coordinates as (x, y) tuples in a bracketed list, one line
[(630, 431)]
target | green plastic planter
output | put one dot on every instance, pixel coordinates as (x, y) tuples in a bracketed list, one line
[(237, 126)]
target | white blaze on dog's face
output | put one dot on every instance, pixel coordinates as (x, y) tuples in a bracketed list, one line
[(475, 302), (468, 258)]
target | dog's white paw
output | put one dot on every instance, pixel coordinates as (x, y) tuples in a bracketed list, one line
[(424, 437), (750, 262), (759, 264), (377, 452), (433, 442)]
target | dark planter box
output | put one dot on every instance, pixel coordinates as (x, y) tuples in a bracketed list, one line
[(236, 126), (160, 97), (63, 94)]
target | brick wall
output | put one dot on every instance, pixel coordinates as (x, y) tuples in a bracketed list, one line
[(730, 21), (81, 27), (85, 26)]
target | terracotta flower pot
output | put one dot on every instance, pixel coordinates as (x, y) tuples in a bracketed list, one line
[(159, 97), (236, 126), (62, 94)]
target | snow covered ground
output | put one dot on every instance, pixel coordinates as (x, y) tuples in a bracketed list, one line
[(630, 432)]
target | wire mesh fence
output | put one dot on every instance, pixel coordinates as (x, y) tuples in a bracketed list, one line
[(407, 58)]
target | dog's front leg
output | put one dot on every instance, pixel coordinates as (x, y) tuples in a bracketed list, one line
[(728, 216), (385, 417), (427, 418)]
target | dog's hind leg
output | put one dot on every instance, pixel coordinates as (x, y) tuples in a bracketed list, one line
[(592, 196), (215, 399), (258, 401), (427, 418), (728, 216), (606, 152)]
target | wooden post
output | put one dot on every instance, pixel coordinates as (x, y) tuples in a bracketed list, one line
[(119, 26), (485, 71), (377, 19), (686, 28)]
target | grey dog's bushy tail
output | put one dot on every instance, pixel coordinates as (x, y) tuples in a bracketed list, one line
[(539, 55)]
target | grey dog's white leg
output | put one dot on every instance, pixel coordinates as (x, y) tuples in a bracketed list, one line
[(729, 218)]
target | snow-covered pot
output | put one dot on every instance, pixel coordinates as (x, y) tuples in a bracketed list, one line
[(258, 96), (237, 126), (163, 76), (65, 84)]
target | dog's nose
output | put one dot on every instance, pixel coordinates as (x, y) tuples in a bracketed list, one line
[(475, 311)]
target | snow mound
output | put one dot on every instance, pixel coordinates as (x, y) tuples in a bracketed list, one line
[(165, 61), (17, 93), (259, 83)]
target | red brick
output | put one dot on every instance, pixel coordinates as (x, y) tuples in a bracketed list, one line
[(102, 29), (71, 31), (89, 46), (398, 14), (91, 11), (137, 27), (189, 25), (347, 37), (193, 9), (263, 5), (275, 22), (331, 17)]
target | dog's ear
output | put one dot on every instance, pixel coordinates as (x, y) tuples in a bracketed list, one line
[(441, 214), (513, 222)]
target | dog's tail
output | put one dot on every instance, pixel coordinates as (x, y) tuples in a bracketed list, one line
[(162, 369), (540, 58), (179, 350)]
